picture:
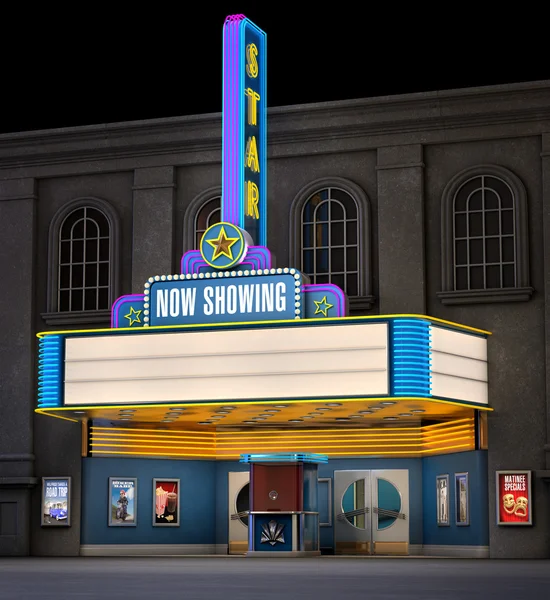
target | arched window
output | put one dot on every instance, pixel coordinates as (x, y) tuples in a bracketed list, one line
[(209, 214), (484, 237), (83, 251), (202, 212), (330, 237)]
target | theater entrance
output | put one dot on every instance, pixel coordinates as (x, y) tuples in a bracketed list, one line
[(372, 512), (239, 505)]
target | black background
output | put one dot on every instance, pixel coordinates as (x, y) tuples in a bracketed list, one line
[(87, 64)]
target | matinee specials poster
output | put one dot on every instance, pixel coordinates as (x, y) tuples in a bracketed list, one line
[(514, 498), (122, 501), (166, 507)]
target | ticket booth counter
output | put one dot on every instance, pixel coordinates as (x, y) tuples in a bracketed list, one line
[(284, 511)]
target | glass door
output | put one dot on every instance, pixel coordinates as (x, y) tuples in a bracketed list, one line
[(390, 507), (239, 506), (371, 512)]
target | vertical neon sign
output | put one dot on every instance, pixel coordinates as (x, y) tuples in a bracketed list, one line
[(244, 133)]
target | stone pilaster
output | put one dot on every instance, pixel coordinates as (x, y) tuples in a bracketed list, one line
[(545, 155), (402, 284), (153, 224), (17, 366)]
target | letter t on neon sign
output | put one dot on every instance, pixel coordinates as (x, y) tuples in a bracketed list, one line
[(244, 129)]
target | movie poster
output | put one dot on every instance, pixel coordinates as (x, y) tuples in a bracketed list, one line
[(514, 498), (166, 502), (462, 507), (443, 500), (56, 507), (122, 501)]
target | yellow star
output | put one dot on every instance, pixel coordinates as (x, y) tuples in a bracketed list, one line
[(131, 318), (222, 245), (322, 306)]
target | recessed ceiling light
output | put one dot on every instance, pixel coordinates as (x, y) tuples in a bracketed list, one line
[(334, 404), (365, 412), (228, 407), (295, 420), (376, 408), (342, 419), (125, 418), (390, 418), (281, 405), (356, 416), (418, 410), (168, 420), (258, 418), (387, 403), (272, 410), (217, 417), (405, 414), (306, 417), (266, 415), (322, 408), (315, 414), (223, 412), (79, 412), (175, 415), (205, 423), (250, 422), (177, 409), (126, 411)]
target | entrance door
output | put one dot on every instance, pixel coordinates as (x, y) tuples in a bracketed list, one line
[(372, 511), (239, 505)]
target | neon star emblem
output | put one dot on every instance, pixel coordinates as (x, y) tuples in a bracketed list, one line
[(322, 306), (131, 318), (222, 245)]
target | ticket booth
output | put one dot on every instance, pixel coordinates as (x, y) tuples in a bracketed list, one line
[(284, 512)]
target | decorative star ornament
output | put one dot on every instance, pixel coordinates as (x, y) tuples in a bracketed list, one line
[(322, 307), (222, 245), (131, 318)]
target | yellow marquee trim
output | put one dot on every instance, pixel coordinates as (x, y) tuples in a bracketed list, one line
[(283, 322), (78, 407)]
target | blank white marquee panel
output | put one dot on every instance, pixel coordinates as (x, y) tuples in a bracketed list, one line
[(293, 362), (459, 365)]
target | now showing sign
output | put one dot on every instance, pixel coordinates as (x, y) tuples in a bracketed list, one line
[(225, 299)]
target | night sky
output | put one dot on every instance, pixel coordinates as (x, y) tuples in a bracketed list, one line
[(96, 68)]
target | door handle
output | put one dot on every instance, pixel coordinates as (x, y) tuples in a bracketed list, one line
[(239, 515), (389, 513), (353, 513)]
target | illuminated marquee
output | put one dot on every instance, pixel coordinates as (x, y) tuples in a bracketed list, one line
[(244, 172), (222, 299)]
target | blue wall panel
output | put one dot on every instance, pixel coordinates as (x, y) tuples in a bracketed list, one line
[(477, 533), (197, 506), (204, 498)]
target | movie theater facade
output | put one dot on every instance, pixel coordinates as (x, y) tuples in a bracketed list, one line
[(385, 337)]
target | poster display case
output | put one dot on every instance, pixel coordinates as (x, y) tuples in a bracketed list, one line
[(56, 502), (122, 501), (443, 500), (462, 500), (166, 502), (514, 500)]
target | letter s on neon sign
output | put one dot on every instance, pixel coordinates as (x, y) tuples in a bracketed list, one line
[(251, 62)]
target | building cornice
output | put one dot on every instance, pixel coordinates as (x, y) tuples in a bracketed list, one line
[(445, 114)]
